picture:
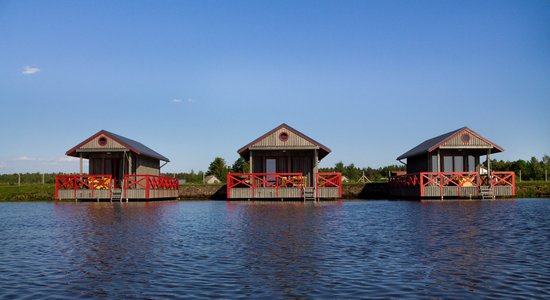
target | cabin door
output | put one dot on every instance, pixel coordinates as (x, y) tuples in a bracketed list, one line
[(271, 167)]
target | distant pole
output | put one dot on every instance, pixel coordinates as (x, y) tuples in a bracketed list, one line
[(42, 178), (18, 179), (519, 175), (545, 175)]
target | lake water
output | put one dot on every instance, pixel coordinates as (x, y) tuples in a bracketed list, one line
[(341, 250)]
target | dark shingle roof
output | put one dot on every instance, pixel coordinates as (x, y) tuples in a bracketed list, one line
[(434, 143), (138, 147), (132, 145), (425, 146)]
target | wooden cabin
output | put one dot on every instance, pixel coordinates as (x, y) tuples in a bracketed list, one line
[(284, 165), (450, 165), (118, 168)]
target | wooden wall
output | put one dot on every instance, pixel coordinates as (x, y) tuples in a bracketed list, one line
[(273, 141)]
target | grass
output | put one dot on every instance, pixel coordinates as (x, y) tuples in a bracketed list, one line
[(27, 192), (530, 189)]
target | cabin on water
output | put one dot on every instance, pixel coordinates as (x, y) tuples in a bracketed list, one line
[(284, 165), (118, 168), (450, 165)]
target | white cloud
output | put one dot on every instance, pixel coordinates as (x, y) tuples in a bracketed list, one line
[(25, 158), (188, 100), (67, 159), (28, 70)]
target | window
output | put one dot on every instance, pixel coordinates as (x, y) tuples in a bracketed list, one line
[(459, 164), (102, 141), (465, 138), (283, 136), (447, 163), (435, 167), (471, 163)]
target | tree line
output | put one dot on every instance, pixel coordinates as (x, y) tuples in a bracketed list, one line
[(532, 169)]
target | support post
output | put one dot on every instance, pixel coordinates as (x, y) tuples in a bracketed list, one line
[(81, 167), (250, 163), (315, 172), (129, 163), (438, 161)]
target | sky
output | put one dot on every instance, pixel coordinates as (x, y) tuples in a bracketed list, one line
[(198, 79)]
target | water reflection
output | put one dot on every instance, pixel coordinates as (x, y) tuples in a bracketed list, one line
[(105, 243), (232, 250), (280, 242)]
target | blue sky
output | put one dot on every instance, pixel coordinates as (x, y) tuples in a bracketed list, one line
[(199, 79)]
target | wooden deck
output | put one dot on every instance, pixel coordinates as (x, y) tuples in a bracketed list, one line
[(290, 186), (103, 187), (452, 185)]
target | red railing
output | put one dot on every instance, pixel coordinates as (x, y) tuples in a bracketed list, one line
[(149, 182), (281, 180), (83, 182), (452, 179), (329, 179), (264, 180)]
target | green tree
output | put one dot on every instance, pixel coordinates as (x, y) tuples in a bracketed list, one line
[(218, 168), (241, 166)]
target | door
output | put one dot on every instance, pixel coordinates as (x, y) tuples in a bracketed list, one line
[(270, 167)]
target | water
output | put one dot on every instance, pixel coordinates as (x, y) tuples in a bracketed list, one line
[(341, 250)]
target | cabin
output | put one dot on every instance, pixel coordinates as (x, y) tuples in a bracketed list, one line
[(284, 165), (450, 166), (118, 168)]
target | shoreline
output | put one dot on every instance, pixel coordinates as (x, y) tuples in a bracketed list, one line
[(351, 191)]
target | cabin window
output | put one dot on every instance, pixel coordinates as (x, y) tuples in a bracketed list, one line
[(283, 136), (447, 163), (465, 138), (471, 163), (459, 164), (435, 167), (271, 165), (102, 141)]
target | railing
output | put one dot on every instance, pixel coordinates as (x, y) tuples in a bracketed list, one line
[(281, 180), (148, 183), (329, 179), (452, 179), (83, 182), (264, 180)]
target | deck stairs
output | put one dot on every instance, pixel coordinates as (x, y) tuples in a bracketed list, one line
[(486, 192), (309, 193), (116, 195)]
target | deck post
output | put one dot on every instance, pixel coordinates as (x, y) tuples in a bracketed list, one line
[(81, 164)]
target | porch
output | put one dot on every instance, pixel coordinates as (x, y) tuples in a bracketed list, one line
[(105, 187), (282, 186), (453, 185)]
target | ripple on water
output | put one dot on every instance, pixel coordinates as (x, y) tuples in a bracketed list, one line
[(247, 250)]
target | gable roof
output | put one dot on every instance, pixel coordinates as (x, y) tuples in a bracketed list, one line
[(323, 150), (434, 143), (132, 145)]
